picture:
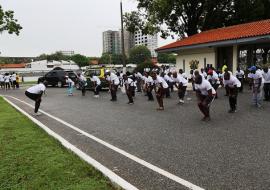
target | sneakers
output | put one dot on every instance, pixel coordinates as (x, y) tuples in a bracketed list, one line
[(37, 114), (181, 101), (232, 111), (96, 96), (130, 103)]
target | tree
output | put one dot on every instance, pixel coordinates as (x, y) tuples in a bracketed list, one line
[(106, 58), (166, 58), (57, 56), (8, 22), (80, 60), (139, 54), (188, 17)]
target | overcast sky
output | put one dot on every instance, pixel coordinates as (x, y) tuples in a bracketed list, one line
[(51, 25)]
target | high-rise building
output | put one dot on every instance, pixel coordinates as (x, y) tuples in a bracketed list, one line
[(128, 41), (150, 41), (111, 42)]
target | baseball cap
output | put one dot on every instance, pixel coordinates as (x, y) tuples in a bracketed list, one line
[(253, 68)]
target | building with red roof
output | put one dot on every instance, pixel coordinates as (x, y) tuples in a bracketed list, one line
[(240, 45), (12, 66)]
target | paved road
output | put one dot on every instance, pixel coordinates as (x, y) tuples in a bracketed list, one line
[(230, 152)]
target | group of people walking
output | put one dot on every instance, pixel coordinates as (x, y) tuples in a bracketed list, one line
[(204, 82), (8, 81)]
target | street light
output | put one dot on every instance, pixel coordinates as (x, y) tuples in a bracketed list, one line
[(122, 40)]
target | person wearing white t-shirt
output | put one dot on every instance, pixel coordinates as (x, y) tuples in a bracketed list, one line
[(139, 77), (2, 81), (160, 86), (206, 95), (130, 88), (203, 73), (7, 81), (113, 84), (257, 85), (266, 87), (82, 83), (183, 74), (35, 93), (213, 78), (97, 85), (181, 84), (240, 75), (70, 84), (149, 83), (232, 84)]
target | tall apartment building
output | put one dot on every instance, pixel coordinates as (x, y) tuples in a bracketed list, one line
[(111, 42), (150, 41)]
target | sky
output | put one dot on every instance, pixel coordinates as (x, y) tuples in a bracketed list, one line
[(53, 25)]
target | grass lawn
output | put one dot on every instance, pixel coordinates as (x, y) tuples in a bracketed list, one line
[(30, 159)]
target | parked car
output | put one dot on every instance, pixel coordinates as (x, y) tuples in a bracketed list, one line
[(57, 77)]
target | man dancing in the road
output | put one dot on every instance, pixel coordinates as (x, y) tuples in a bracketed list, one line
[(113, 84), (206, 95), (35, 93), (160, 87)]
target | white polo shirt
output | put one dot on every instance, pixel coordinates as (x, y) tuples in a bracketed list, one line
[(37, 89), (204, 87), (7, 78), (2, 78), (114, 79), (129, 82), (179, 79), (266, 76), (232, 82), (95, 79), (240, 74), (159, 80), (167, 78)]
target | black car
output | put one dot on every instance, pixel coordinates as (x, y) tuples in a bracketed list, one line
[(57, 77)]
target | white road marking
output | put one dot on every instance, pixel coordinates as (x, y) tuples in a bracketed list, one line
[(107, 172), (120, 151)]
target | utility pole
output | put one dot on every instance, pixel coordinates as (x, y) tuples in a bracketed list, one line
[(122, 40)]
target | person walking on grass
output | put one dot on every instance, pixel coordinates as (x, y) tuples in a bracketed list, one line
[(205, 94), (257, 86), (181, 84), (35, 93), (232, 84), (266, 87), (130, 88), (70, 84), (160, 87), (96, 84), (82, 83)]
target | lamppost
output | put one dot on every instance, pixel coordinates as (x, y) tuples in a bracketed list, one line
[(122, 40)]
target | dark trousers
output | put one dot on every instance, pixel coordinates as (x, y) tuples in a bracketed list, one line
[(97, 90), (83, 90), (233, 98), (170, 85), (159, 95), (113, 92), (138, 84), (266, 91), (130, 92), (7, 84), (204, 104), (36, 98), (181, 92), (168, 94), (149, 93), (242, 84)]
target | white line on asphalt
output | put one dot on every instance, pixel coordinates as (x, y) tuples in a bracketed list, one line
[(107, 172), (120, 151)]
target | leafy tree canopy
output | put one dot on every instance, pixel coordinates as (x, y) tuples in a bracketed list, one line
[(188, 17), (8, 22), (166, 58), (139, 54), (80, 60)]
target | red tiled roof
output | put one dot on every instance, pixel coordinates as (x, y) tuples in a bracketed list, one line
[(253, 29), (12, 66)]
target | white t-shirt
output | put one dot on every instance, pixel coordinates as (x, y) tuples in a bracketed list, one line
[(138, 75), (13, 77), (214, 78), (184, 75), (69, 81), (240, 74), (256, 78), (168, 79), (95, 79), (129, 82), (149, 81), (82, 78), (266, 76), (179, 79), (114, 79), (7, 78), (37, 89), (232, 82), (204, 87), (2, 78), (159, 80)]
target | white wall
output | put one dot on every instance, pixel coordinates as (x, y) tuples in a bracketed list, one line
[(195, 54)]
